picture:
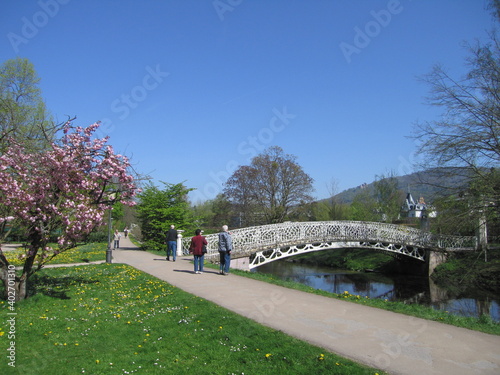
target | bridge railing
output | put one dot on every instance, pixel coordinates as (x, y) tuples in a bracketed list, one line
[(249, 240)]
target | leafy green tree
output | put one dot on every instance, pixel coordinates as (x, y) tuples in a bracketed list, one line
[(203, 214), (222, 211), (325, 210), (331, 208), (364, 207), (158, 208), (388, 197), (216, 212), (23, 115), (267, 190)]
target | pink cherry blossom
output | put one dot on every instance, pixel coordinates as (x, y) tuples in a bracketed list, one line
[(65, 189)]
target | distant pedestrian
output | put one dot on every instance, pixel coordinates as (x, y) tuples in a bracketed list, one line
[(171, 240), (198, 248), (225, 248), (116, 239), (125, 232)]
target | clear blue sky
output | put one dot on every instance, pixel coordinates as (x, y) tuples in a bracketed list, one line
[(191, 89)]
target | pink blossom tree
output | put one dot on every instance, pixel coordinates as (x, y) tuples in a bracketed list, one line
[(65, 189)]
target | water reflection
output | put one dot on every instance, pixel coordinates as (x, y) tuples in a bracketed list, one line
[(409, 289)]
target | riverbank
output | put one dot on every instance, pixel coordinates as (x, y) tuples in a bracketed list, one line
[(464, 270), (482, 324)]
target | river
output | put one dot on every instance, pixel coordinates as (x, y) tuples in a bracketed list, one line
[(410, 289)]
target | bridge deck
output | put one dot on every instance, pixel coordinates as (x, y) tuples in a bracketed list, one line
[(276, 241)]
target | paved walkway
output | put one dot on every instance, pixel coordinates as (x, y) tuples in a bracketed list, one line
[(394, 342)]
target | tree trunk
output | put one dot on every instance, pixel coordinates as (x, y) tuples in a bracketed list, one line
[(16, 287)]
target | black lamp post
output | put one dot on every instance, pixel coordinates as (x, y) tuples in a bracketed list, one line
[(111, 201), (108, 250)]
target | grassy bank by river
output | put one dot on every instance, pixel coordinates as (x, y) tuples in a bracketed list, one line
[(348, 259), (463, 270), (483, 324), (470, 270)]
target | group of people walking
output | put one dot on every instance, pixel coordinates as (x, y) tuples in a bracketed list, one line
[(198, 248)]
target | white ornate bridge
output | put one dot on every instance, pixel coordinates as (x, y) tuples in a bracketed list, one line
[(267, 243)]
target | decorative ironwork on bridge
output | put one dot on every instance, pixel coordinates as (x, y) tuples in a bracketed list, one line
[(267, 243)]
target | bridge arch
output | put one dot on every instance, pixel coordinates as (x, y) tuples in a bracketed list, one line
[(267, 243)]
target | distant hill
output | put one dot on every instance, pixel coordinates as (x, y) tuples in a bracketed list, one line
[(420, 184)]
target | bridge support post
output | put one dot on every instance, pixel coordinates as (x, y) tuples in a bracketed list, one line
[(434, 259), (241, 263), (482, 234)]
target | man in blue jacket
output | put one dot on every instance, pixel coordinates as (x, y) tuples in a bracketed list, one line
[(225, 248)]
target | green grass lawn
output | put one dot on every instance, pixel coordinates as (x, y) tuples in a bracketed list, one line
[(114, 319), (90, 252)]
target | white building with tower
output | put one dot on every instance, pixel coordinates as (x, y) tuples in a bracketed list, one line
[(420, 209)]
